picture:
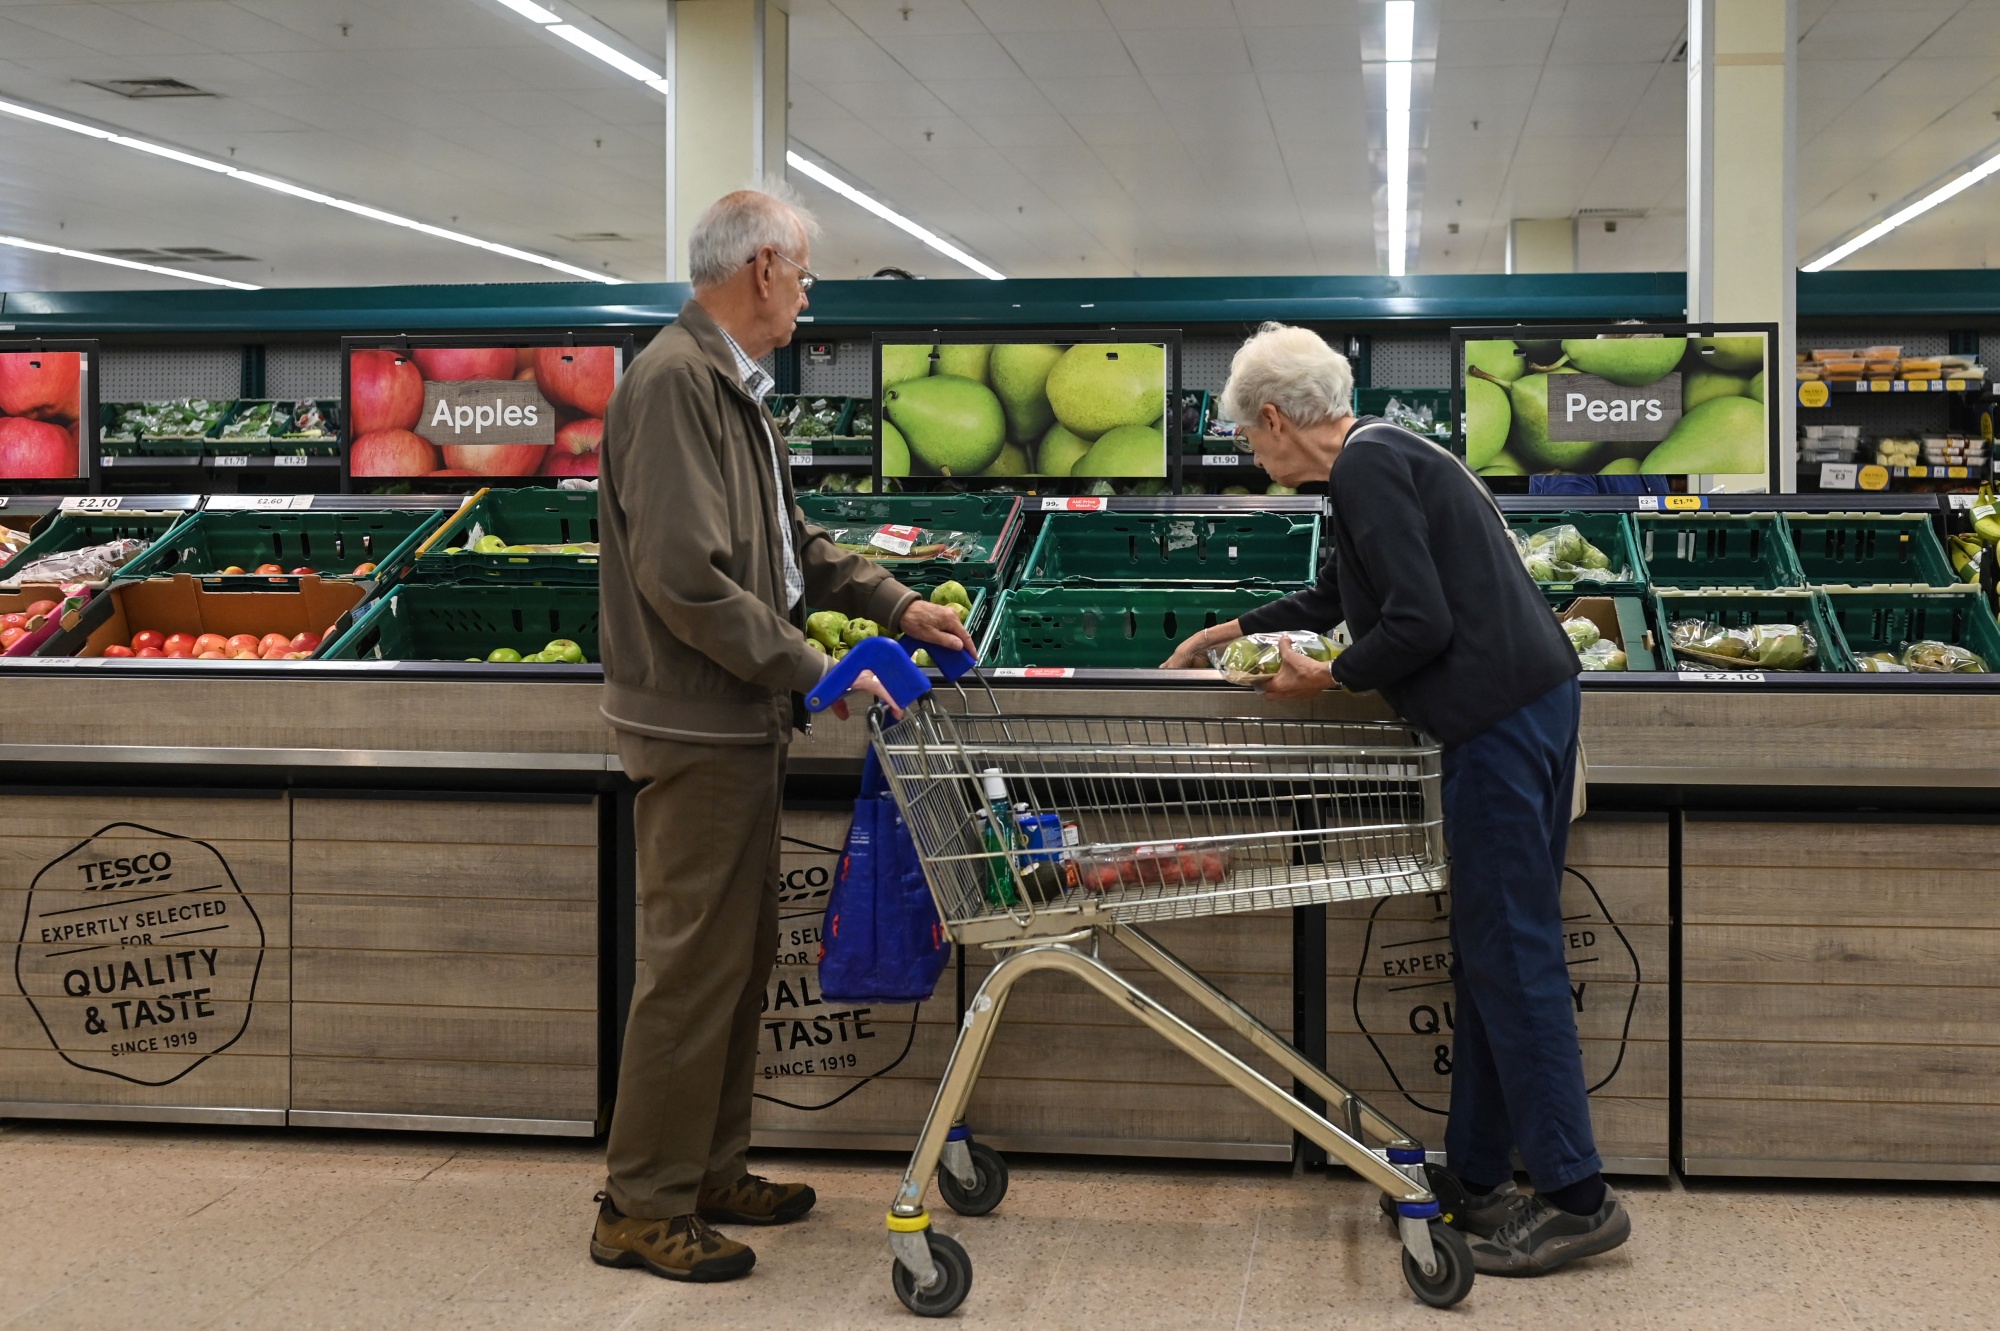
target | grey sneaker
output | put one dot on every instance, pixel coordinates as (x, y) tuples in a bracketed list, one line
[(1539, 1237), (1480, 1216)]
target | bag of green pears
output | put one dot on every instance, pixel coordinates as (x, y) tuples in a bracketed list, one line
[(1253, 658)]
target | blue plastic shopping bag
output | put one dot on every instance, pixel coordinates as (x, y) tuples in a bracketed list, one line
[(882, 941)]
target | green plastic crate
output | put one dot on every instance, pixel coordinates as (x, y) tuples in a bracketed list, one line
[(1642, 639), (1174, 550), (1740, 609), (1723, 551), (993, 519), (452, 622), (1610, 532), (330, 543), (530, 516), (1884, 619), (1107, 627), (1869, 550), (73, 531)]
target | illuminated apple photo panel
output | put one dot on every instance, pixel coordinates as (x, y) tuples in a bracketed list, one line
[(44, 402), (477, 410), (1083, 410)]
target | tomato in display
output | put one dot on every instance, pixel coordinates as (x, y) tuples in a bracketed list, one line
[(148, 638), (306, 642), (270, 568), (181, 641), (13, 619), (115, 650), (36, 608), (210, 642), (243, 642), (273, 644), (10, 636), (149, 653)]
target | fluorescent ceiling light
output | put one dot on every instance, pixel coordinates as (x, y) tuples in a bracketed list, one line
[(20, 244), (589, 45), (1399, 26), (891, 216), (296, 191), (1958, 185), (1399, 30), (609, 54), (528, 9)]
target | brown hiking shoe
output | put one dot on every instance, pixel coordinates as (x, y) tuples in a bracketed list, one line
[(752, 1200), (683, 1248)]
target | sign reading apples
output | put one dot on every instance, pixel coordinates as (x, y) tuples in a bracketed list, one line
[(477, 411), (41, 404)]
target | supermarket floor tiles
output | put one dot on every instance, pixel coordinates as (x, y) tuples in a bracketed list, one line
[(171, 1228)]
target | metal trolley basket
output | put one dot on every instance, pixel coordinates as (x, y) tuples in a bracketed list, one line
[(1172, 818)]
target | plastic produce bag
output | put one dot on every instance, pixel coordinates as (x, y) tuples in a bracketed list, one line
[(906, 545), (1758, 646), (1603, 654), (1561, 554), (1931, 657), (1253, 658), (882, 941), (92, 563)]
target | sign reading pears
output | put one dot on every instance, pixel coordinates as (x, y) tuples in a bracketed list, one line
[(139, 954), (1405, 1003)]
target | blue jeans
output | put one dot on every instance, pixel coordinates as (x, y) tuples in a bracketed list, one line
[(1517, 1070)]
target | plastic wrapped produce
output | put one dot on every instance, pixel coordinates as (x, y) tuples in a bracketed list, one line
[(1603, 654), (1762, 646), (1254, 658), (1931, 657), (92, 563), (1561, 554)]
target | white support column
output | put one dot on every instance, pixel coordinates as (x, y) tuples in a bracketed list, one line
[(1742, 70), (729, 62)]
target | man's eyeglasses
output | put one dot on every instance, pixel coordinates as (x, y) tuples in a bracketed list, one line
[(806, 275)]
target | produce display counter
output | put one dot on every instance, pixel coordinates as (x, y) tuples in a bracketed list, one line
[(397, 893)]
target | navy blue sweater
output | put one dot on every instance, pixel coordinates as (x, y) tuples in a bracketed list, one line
[(1444, 618)]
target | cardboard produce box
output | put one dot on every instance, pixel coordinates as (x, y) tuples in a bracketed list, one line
[(1621, 619), (17, 601), (179, 604)]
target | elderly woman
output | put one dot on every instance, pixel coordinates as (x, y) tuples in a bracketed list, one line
[(1448, 626)]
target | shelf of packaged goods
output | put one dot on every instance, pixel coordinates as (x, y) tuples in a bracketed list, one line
[(223, 461), (1892, 386)]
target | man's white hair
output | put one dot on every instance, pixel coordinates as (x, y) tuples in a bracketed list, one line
[(738, 225), (1292, 369)]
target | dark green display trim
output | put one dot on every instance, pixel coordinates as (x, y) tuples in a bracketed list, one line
[(1972, 294)]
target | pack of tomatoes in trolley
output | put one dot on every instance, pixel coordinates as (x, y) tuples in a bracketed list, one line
[(175, 618), (41, 407)]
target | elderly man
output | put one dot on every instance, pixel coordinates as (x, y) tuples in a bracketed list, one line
[(1447, 624), (708, 569)]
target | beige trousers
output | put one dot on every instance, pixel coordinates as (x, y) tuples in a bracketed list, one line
[(706, 822)]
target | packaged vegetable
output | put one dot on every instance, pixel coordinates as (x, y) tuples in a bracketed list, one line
[(926, 546), (1930, 657), (1764, 646), (1583, 634), (1561, 554), (92, 563), (1254, 658), (1603, 654)]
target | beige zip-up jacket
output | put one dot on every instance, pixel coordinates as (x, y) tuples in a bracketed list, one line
[(697, 640)]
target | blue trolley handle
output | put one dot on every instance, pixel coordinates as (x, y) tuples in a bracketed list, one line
[(890, 659)]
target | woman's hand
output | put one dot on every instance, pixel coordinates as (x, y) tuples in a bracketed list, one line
[(1299, 677), (1192, 654)]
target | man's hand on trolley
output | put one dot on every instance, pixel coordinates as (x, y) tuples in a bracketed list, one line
[(1299, 676), (936, 624)]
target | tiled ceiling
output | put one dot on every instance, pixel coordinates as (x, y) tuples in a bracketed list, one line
[(1050, 137)]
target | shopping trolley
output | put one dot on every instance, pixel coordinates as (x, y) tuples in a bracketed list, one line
[(1042, 836)]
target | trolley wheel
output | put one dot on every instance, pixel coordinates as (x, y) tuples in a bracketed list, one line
[(1444, 1186), (954, 1282), (1453, 1280), (986, 1194)]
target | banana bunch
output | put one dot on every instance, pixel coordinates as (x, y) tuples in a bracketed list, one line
[(1986, 515), (1965, 552)]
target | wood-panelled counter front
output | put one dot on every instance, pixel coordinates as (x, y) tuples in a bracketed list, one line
[(305, 896)]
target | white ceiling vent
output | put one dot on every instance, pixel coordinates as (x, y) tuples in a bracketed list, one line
[(178, 254)]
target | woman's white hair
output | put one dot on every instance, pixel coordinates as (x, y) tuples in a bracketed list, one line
[(738, 225), (1292, 369)]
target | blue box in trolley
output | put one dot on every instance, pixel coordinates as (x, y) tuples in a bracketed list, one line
[(1176, 818)]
